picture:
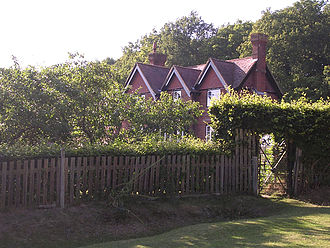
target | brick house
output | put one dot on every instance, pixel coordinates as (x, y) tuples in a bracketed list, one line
[(207, 81)]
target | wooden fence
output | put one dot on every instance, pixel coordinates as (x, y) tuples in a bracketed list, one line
[(66, 181)]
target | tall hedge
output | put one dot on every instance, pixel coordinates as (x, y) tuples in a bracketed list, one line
[(305, 124)]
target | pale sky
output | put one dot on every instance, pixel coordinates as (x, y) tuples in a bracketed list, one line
[(42, 32)]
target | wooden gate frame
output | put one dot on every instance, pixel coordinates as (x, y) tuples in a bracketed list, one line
[(274, 165)]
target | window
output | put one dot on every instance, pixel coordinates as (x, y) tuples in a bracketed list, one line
[(212, 94), (208, 133), (178, 133), (143, 96), (176, 95)]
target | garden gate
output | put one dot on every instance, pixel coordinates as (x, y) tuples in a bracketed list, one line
[(279, 172)]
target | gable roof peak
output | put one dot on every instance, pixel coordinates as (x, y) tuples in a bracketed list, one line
[(219, 60)]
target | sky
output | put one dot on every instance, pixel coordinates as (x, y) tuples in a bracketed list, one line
[(43, 32)]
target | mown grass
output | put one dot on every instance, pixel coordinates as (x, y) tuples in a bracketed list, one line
[(299, 225)]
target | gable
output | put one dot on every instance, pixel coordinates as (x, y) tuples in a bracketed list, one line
[(147, 76), (242, 67), (154, 75), (270, 85), (137, 81), (175, 84), (213, 76), (210, 79), (178, 79), (138, 85), (225, 69)]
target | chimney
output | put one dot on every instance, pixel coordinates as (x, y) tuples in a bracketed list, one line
[(157, 58), (259, 42)]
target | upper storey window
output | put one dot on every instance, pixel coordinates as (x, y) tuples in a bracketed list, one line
[(208, 133), (176, 95), (212, 94)]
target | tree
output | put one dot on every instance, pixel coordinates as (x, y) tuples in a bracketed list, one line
[(298, 47), (186, 40), (226, 43), (96, 103), (30, 108), (74, 101), (77, 102), (165, 115)]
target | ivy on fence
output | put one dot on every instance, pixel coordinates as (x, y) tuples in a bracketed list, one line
[(302, 123)]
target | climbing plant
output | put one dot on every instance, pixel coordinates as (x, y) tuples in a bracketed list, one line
[(302, 123)]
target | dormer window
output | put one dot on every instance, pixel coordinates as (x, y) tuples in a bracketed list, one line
[(176, 95), (212, 94)]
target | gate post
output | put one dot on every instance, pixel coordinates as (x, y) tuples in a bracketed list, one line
[(255, 175), (291, 151)]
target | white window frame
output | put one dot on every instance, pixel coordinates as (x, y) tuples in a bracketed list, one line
[(212, 94), (177, 95), (208, 132)]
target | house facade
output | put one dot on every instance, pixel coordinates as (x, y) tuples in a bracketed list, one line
[(204, 82)]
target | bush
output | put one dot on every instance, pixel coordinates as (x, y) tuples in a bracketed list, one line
[(148, 145), (303, 123)]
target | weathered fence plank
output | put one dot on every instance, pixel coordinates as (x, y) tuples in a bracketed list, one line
[(3, 185), (66, 180)]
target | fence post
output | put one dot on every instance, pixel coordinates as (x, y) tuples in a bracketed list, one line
[(255, 175), (62, 178)]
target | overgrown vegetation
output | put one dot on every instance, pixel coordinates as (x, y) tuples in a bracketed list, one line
[(78, 102), (301, 123), (147, 145)]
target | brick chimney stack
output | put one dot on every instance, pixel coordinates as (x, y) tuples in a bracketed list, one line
[(259, 42), (157, 58)]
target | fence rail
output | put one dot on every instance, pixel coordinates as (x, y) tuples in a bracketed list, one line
[(65, 181)]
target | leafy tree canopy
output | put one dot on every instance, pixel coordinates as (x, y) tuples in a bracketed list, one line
[(79, 102), (187, 41), (298, 47)]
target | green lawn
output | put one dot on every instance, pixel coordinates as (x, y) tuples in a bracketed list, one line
[(300, 225)]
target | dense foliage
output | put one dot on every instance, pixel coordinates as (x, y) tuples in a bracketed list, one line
[(78, 102), (73, 100), (187, 41), (165, 116), (146, 145), (306, 123), (81, 102), (301, 122), (298, 47)]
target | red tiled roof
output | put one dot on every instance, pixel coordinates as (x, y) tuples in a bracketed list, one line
[(241, 69), (197, 67), (188, 75), (233, 72), (154, 74), (226, 70)]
